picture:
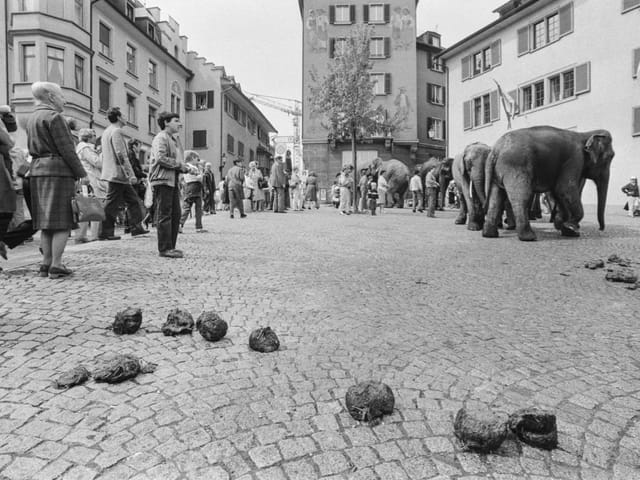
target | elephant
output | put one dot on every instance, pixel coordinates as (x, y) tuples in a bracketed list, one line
[(546, 159), (396, 174), (444, 175), (468, 173)]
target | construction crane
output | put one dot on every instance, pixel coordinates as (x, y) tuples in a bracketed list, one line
[(291, 107)]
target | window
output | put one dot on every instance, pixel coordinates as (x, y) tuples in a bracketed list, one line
[(243, 118), (199, 139), (201, 100), (104, 94), (131, 109), (477, 63), (151, 119), (227, 105), (636, 121), (130, 11), (337, 46), (486, 109), (486, 59), (175, 51), (240, 149), (376, 13), (55, 65), (153, 74), (538, 100), (342, 14), (435, 64), (252, 155), (236, 112), (151, 30), (105, 40), (555, 89), (560, 87), (635, 63), (434, 40), (78, 9), (27, 63), (568, 81), (79, 72), (481, 61), (435, 128), (546, 30), (481, 110), (173, 103), (131, 59), (381, 83), (230, 144), (527, 98), (435, 94), (379, 47)]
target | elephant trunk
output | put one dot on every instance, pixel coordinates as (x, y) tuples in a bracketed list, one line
[(477, 180), (602, 184)]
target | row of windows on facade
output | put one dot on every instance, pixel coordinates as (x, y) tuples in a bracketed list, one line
[(532, 37), (345, 14), (240, 152), (549, 90), (244, 119), (54, 8)]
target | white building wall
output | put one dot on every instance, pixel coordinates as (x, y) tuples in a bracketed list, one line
[(601, 35)]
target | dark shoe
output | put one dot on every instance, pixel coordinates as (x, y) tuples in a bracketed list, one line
[(230, 216), (44, 271), (138, 231), (110, 237), (180, 229), (81, 240), (59, 272), (242, 216), (3, 250), (127, 230), (171, 254)]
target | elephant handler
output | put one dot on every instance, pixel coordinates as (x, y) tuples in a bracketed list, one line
[(431, 185), (631, 191)]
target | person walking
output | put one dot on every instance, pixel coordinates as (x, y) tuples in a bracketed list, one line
[(255, 177), (208, 190), (362, 190), (372, 194), (431, 184), (167, 162), (118, 172), (383, 186), (295, 186), (633, 194), (235, 184), (415, 185), (192, 191), (311, 193), (55, 168), (346, 187), (8, 196), (278, 180), (92, 163)]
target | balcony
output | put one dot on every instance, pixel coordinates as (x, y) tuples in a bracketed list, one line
[(30, 21), (74, 98)]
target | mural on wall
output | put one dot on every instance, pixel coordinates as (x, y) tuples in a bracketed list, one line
[(402, 29), (316, 25), (401, 117)]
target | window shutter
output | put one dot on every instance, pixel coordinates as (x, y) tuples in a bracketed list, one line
[(332, 47), (466, 115), (429, 126), (496, 53), (514, 95), (444, 130), (636, 120), (104, 34), (583, 78), (188, 100), (636, 63), (387, 12), (565, 15), (210, 99), (466, 67), (444, 95), (352, 13), (365, 13), (387, 83), (332, 14), (494, 101), (387, 47), (627, 4), (523, 40), (429, 87)]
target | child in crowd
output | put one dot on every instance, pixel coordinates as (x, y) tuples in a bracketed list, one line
[(372, 194), (335, 194)]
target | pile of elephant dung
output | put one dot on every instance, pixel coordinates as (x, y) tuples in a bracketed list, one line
[(623, 262), (479, 429), (624, 275), (178, 322), (594, 264), (264, 340), (211, 326), (122, 367), (127, 321), (76, 376), (535, 427), (369, 401)]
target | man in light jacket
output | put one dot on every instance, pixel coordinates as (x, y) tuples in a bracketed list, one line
[(117, 170), (278, 180), (235, 184)]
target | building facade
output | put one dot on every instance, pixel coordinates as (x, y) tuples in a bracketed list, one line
[(549, 58), (393, 55), (119, 53)]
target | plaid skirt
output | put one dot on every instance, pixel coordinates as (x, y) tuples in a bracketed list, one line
[(51, 203)]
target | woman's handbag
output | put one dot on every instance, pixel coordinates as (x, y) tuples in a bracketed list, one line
[(87, 209)]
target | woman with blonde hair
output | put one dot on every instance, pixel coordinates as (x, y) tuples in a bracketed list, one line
[(92, 163)]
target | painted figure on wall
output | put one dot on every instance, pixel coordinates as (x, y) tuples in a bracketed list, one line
[(402, 31), (403, 109), (316, 25)]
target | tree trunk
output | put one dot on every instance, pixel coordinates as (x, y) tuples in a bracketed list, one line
[(355, 170)]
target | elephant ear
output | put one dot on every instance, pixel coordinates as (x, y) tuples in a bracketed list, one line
[(595, 145)]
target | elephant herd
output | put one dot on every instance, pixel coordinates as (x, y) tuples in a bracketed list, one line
[(513, 173)]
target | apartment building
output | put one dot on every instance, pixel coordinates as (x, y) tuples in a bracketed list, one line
[(570, 64), (119, 53), (393, 53)]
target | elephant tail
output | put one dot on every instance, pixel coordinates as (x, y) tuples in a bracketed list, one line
[(488, 177)]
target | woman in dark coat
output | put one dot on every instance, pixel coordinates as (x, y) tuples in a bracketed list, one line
[(55, 168), (311, 193), (7, 190)]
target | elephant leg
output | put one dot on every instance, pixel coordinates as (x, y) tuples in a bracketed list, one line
[(520, 198), (476, 213), (461, 219), (568, 199), (496, 200)]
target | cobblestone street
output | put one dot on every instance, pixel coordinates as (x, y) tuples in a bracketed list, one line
[(438, 313)]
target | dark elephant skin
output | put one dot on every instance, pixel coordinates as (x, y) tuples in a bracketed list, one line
[(468, 173), (443, 172), (546, 159), (397, 176)]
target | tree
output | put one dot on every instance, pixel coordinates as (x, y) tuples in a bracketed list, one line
[(345, 95)]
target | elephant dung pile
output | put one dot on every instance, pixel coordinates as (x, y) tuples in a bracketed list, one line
[(264, 340), (122, 367), (535, 427), (127, 321), (211, 326), (618, 270), (76, 376), (479, 429), (178, 322), (369, 401)]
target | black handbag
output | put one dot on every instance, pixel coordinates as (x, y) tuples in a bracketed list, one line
[(87, 209)]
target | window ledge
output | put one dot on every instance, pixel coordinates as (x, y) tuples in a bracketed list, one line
[(548, 105), (104, 57), (132, 125), (204, 147), (630, 9), (154, 89), (132, 74)]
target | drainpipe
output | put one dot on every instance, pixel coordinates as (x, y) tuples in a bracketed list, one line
[(446, 113), (6, 46), (93, 2)]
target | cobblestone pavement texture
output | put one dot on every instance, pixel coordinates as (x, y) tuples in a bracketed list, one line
[(438, 313)]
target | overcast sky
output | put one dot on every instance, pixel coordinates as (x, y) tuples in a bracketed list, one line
[(259, 41)]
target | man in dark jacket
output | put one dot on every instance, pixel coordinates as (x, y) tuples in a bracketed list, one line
[(278, 180)]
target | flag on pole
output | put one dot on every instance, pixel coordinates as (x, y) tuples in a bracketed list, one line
[(508, 104)]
